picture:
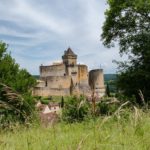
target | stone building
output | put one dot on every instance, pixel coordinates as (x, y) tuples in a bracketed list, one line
[(68, 78)]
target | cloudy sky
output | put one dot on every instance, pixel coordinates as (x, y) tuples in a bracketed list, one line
[(38, 32)]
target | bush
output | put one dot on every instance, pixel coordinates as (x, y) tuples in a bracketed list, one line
[(106, 109), (75, 109), (45, 101)]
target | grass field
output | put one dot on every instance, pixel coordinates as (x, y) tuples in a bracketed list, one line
[(131, 132)]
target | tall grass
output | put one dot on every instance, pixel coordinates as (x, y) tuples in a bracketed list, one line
[(129, 132)]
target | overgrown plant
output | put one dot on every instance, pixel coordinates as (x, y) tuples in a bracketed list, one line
[(14, 108), (75, 109)]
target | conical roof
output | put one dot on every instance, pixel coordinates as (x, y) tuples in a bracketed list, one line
[(69, 52)]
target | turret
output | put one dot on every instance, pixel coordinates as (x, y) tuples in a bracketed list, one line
[(69, 57), (96, 82)]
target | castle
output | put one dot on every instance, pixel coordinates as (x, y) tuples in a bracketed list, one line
[(69, 78)]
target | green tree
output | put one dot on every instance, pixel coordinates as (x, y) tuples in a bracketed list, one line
[(10, 73), (107, 90), (62, 102), (128, 24), (16, 101)]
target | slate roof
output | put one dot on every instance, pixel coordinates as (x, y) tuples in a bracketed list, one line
[(69, 52)]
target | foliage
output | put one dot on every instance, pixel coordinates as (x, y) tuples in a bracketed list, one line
[(107, 90), (44, 101), (110, 79), (106, 108), (62, 102), (75, 109), (10, 73), (122, 98), (128, 24), (16, 102)]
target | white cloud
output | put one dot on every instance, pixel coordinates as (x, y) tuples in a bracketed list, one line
[(39, 31)]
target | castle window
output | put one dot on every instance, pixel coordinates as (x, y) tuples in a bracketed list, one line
[(73, 73), (64, 74)]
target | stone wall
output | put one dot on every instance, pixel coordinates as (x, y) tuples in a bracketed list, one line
[(57, 82), (84, 87), (53, 70), (46, 91), (40, 83), (72, 70), (83, 74), (53, 86), (70, 60)]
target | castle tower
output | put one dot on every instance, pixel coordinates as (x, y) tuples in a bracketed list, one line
[(70, 61), (69, 57), (96, 82)]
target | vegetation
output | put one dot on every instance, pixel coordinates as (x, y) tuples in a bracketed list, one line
[(128, 24), (10, 73), (111, 133), (116, 123), (75, 109), (16, 102), (110, 77), (110, 81)]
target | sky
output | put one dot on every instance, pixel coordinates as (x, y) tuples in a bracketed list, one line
[(39, 31)]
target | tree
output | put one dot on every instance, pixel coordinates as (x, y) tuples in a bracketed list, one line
[(16, 101), (128, 24), (107, 90), (10, 73), (62, 102)]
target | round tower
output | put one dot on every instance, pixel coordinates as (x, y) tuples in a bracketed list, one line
[(96, 82)]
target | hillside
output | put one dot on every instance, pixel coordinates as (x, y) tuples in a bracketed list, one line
[(108, 77)]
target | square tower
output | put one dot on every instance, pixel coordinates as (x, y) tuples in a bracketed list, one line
[(69, 57)]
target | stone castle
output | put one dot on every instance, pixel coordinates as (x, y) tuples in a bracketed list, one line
[(69, 78)]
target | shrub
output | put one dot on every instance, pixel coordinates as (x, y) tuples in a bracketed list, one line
[(45, 101), (75, 109), (104, 108)]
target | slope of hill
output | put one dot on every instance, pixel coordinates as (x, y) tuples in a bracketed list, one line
[(108, 77)]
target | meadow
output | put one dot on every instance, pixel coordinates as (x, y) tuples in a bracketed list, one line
[(127, 131)]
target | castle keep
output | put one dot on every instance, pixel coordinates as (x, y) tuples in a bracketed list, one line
[(69, 78)]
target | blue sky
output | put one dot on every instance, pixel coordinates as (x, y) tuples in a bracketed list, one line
[(38, 32)]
